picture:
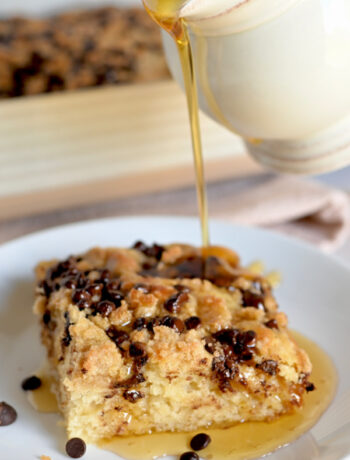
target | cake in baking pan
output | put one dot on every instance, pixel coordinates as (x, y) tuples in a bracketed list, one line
[(79, 49)]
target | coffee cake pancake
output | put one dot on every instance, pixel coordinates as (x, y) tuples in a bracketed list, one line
[(165, 338)]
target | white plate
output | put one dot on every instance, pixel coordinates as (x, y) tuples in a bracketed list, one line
[(315, 294)]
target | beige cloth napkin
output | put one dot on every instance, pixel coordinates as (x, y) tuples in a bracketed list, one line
[(299, 207), (302, 208)]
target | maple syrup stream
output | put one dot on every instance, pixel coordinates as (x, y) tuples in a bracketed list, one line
[(165, 13)]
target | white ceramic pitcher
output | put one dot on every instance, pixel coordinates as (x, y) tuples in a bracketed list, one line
[(276, 72)]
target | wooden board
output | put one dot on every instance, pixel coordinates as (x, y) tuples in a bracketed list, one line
[(83, 147)]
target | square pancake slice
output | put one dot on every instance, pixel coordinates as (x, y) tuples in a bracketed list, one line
[(165, 338)]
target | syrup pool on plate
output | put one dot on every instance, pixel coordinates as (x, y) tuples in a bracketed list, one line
[(241, 441), (43, 399)]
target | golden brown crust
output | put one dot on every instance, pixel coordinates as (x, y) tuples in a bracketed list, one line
[(165, 338)]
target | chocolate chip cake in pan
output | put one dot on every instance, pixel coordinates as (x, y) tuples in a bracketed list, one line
[(79, 49), (165, 338)]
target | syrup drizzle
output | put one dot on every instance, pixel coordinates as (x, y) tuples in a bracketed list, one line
[(165, 13)]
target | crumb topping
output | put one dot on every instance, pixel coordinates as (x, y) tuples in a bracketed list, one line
[(149, 300)]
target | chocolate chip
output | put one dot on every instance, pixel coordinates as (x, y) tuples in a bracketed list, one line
[(272, 324), (244, 341), (173, 323), (248, 338), (45, 286), (246, 356), (69, 283), (167, 321), (225, 369), (56, 286), (200, 441), (269, 366), (235, 346), (226, 336), (210, 345), (140, 246), (79, 295), (105, 308), (154, 323), (8, 414), (105, 276), (83, 304), (46, 317), (175, 302), (75, 447), (154, 251), (132, 395), (140, 361), (239, 348), (95, 290), (149, 268), (116, 297), (117, 336), (139, 324), (113, 285), (137, 349), (309, 387), (59, 269), (73, 271), (31, 383), (189, 456), (193, 322), (252, 299), (178, 325), (81, 281), (54, 83)]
